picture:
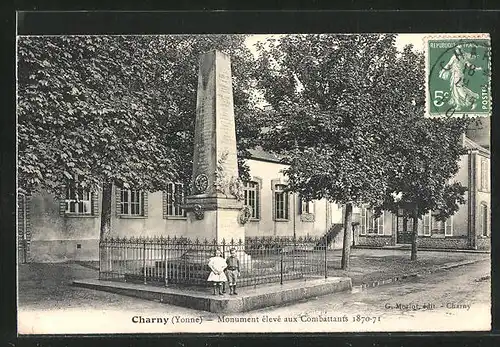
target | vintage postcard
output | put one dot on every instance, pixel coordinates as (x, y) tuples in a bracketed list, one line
[(253, 183)]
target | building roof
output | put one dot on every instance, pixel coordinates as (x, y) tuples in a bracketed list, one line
[(469, 144), (259, 154), (479, 131)]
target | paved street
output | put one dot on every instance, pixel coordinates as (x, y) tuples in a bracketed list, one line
[(458, 298), (460, 295)]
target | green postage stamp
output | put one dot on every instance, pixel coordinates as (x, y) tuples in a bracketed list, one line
[(458, 75)]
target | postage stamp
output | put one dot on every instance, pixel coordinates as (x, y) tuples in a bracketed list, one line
[(458, 75)]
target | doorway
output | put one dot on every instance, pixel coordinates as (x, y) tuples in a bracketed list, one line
[(404, 229)]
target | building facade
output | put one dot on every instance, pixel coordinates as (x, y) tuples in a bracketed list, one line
[(68, 228), (468, 228)]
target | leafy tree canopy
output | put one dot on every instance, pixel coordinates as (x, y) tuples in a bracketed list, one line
[(349, 118), (118, 108), (424, 153), (330, 94)]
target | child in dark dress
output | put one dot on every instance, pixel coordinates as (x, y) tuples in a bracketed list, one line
[(232, 271)]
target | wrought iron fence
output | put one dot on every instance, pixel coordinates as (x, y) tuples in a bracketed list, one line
[(178, 260)]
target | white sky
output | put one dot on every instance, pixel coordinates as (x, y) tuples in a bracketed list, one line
[(401, 40)]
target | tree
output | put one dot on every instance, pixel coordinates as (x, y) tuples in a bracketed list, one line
[(332, 115), (424, 153), (117, 109), (429, 160)]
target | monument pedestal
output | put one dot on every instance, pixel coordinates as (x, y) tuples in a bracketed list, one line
[(217, 219), (214, 218)]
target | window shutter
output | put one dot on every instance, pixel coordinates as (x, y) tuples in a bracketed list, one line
[(394, 223), (488, 186), (481, 219), (286, 200), (420, 228), (95, 203), (380, 226), (427, 223), (448, 226), (118, 199), (62, 200), (164, 204), (184, 194), (144, 203), (257, 201), (273, 198), (363, 221)]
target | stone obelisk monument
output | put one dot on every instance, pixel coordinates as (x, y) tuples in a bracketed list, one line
[(214, 207)]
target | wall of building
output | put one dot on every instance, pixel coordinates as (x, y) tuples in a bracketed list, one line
[(55, 236), (460, 222), (449, 242), (483, 243), (461, 217), (269, 173), (479, 131), (482, 196), (375, 240), (59, 237), (154, 224)]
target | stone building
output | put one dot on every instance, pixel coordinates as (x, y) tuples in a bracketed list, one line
[(69, 229)]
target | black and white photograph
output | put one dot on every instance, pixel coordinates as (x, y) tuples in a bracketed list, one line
[(200, 183)]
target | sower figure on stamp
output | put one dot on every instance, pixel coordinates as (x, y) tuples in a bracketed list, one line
[(217, 264), (233, 271), (460, 95)]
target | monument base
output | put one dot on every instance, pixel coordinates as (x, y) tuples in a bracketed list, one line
[(248, 299), (215, 218)]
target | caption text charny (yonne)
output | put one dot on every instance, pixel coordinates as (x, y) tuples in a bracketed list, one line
[(259, 319)]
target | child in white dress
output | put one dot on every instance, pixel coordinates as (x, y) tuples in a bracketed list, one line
[(217, 264)]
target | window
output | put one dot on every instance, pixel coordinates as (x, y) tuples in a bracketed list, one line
[(426, 223), (252, 198), (440, 227), (371, 225), (173, 199), (78, 201), (448, 226), (131, 202), (484, 219), (280, 202), (306, 207), (484, 179)]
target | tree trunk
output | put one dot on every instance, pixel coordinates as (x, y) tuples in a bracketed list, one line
[(346, 249), (414, 239), (106, 209)]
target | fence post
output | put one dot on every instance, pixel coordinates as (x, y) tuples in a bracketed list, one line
[(144, 261), (109, 255), (281, 265), (166, 266), (326, 267)]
